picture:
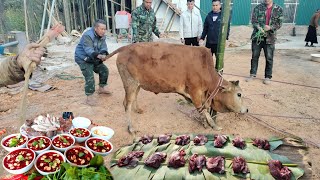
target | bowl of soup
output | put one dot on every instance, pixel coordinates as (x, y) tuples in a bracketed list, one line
[(19, 161), (49, 162), (99, 146), (39, 144), (78, 156), (80, 134), (14, 141), (62, 141)]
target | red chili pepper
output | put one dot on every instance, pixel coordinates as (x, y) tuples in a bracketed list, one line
[(17, 177)]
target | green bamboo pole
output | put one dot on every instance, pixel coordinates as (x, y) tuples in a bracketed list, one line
[(223, 35)]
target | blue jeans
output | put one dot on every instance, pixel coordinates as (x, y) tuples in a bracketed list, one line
[(268, 53)]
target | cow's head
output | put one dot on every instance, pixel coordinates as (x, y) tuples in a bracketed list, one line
[(229, 98)]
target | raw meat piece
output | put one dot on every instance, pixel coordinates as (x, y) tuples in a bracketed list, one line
[(200, 140), (131, 160), (239, 165), (261, 143), (196, 162), (278, 171), (239, 142), (164, 139), (219, 140), (216, 164), (155, 160), (145, 139), (183, 140), (177, 159)]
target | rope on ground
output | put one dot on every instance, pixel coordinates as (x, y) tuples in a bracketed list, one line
[(287, 134), (283, 82), (289, 117), (65, 76)]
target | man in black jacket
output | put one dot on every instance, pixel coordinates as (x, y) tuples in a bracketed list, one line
[(211, 27)]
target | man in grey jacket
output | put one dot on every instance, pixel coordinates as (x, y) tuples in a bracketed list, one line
[(89, 55), (190, 25)]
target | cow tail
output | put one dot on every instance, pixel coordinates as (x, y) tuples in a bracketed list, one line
[(116, 52)]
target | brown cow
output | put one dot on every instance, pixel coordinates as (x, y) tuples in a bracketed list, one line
[(172, 68)]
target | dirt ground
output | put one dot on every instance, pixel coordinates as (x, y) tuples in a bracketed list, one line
[(163, 114)]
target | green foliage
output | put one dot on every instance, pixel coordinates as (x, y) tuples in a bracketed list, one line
[(14, 19), (68, 172)]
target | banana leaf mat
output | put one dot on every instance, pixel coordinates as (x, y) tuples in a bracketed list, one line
[(290, 152)]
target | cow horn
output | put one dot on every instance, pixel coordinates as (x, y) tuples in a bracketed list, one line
[(235, 82)]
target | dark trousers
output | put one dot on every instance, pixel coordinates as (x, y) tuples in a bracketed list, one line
[(87, 70), (214, 49), (311, 35), (268, 53), (191, 41)]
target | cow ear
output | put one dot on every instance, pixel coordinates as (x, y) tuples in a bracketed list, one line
[(236, 83), (225, 88)]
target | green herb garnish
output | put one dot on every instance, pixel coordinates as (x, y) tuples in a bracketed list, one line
[(81, 154), (47, 160), (20, 158), (50, 164), (63, 139), (35, 143), (41, 142), (79, 131), (13, 142), (99, 144)]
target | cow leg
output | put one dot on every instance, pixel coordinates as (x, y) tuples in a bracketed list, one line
[(130, 87), (197, 101), (137, 109), (210, 120)]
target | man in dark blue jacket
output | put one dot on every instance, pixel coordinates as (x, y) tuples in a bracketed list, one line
[(211, 27), (89, 55)]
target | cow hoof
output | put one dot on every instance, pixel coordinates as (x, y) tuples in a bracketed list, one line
[(205, 125), (131, 130), (139, 111), (217, 128)]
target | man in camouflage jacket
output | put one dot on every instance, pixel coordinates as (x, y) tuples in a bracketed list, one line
[(266, 20), (144, 22)]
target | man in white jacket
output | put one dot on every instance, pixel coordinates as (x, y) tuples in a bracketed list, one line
[(190, 25)]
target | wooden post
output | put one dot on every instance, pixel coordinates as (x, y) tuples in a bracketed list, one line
[(134, 4), (113, 20), (56, 9), (107, 15), (74, 15), (164, 18), (26, 18), (223, 35), (91, 13), (43, 17), (70, 13), (171, 22), (81, 14), (95, 10), (122, 6), (222, 44), (67, 15)]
